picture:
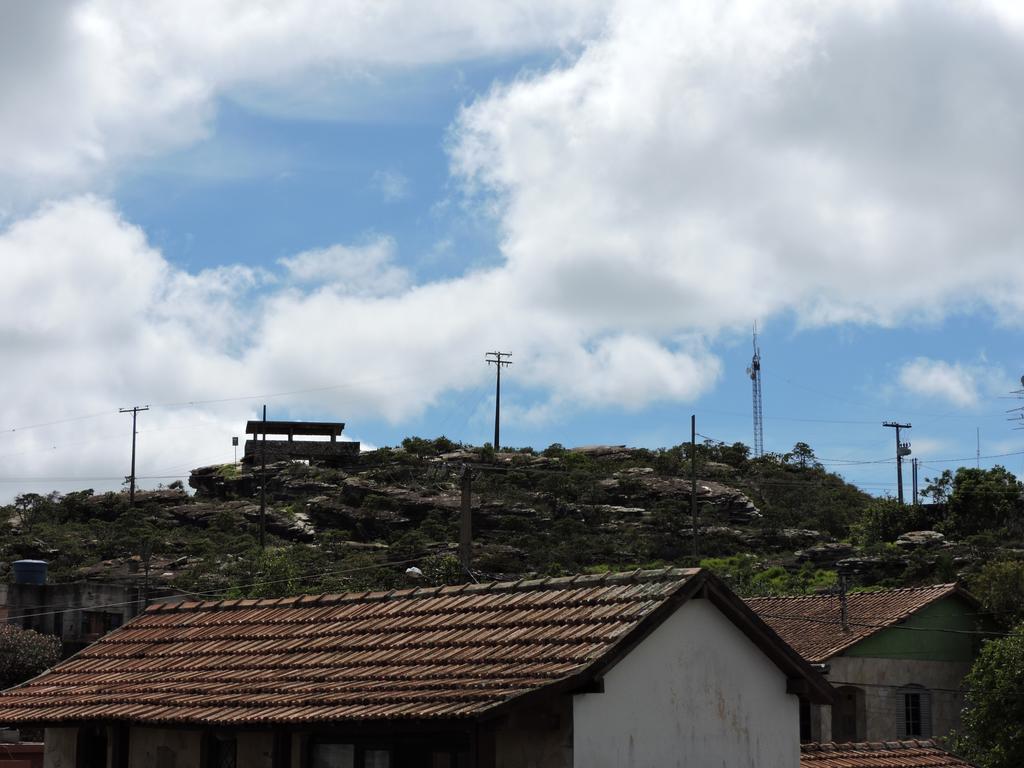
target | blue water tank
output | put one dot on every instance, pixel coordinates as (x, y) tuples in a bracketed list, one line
[(29, 571)]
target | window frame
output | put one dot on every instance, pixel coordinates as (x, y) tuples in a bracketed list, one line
[(914, 702)]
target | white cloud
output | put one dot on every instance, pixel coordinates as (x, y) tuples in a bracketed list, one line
[(703, 164), (366, 270), (93, 318), (86, 85), (697, 165), (952, 382), (392, 185)]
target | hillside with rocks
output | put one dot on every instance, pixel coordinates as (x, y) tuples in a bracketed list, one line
[(774, 524)]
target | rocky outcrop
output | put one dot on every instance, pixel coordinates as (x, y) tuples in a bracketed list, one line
[(922, 540)]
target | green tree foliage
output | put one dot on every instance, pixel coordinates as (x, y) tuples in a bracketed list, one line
[(985, 500), (993, 721), (419, 446), (24, 653), (748, 576), (884, 519), (795, 490), (1000, 587)]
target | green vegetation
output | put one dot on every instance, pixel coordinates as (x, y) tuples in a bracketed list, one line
[(554, 512), (750, 576), (993, 721), (24, 653)]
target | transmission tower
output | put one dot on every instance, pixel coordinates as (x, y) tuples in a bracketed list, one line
[(754, 372), (1018, 413)]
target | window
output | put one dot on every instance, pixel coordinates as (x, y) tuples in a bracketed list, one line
[(219, 751), (91, 747), (95, 624), (915, 710)]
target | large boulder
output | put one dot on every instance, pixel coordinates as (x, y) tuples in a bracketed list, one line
[(917, 540)]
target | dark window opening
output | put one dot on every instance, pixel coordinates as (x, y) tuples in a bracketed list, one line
[(91, 747), (219, 751), (805, 721)]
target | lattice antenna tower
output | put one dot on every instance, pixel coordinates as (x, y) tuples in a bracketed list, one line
[(1018, 413), (754, 372)]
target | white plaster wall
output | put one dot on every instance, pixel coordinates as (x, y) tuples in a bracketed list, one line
[(59, 749), (145, 743), (880, 679), (696, 693)]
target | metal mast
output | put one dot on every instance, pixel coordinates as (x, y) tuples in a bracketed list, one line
[(754, 372)]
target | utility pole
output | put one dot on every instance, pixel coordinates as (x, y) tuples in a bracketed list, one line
[(134, 411), (693, 482), (263, 484), (913, 464), (496, 358), (902, 449), (466, 524)]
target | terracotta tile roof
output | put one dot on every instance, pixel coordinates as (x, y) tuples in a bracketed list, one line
[(422, 653), (889, 754), (811, 624)]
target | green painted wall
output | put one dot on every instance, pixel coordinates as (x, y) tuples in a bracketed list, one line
[(923, 640)]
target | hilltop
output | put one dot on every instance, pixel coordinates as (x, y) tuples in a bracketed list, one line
[(774, 524)]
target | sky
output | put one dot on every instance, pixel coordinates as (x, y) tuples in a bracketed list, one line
[(337, 208)]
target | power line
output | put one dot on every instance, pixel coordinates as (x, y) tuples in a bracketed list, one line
[(219, 592)]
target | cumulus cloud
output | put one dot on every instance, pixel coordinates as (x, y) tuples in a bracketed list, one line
[(690, 167), (92, 318), (364, 270), (953, 382), (705, 163), (88, 84)]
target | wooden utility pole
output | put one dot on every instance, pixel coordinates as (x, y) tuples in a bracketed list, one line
[(496, 358), (134, 411), (693, 482), (902, 449), (466, 521), (913, 467), (263, 484)]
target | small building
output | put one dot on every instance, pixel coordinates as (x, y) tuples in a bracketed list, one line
[(326, 449), (651, 668), (896, 657), (889, 754), (78, 612)]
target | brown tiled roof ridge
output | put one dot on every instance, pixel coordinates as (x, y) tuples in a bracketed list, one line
[(439, 652), (871, 746), (945, 587), (639, 576)]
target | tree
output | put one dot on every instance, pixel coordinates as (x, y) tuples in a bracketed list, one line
[(993, 721), (802, 456), (985, 500), (1000, 587), (939, 488), (24, 653)]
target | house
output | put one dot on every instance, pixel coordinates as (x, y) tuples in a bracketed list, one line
[(896, 657), (890, 754), (651, 668), (78, 612)]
